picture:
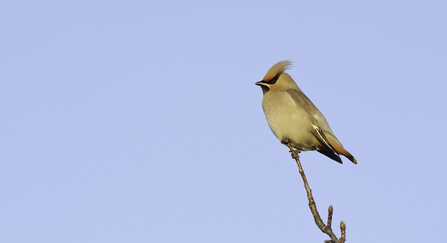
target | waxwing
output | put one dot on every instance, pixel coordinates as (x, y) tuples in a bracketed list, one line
[(294, 119)]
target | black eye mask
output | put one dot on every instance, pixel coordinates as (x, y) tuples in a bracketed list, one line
[(273, 80)]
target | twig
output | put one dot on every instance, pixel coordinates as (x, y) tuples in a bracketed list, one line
[(313, 207), (343, 232), (329, 216)]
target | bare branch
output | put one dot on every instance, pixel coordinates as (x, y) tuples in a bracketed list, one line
[(313, 207)]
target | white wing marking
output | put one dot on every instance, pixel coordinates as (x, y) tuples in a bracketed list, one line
[(322, 137)]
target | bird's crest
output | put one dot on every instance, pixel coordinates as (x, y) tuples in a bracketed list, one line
[(276, 69)]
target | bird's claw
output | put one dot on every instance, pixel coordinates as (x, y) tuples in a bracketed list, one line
[(293, 152)]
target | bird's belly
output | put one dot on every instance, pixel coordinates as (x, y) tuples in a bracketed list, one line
[(295, 126)]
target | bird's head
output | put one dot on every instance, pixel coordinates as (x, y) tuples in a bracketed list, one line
[(277, 79)]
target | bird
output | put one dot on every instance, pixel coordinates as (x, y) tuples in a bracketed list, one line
[(294, 119)]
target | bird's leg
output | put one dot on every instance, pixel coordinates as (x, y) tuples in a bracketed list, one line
[(285, 141), (294, 152)]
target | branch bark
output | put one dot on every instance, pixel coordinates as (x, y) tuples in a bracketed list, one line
[(327, 229)]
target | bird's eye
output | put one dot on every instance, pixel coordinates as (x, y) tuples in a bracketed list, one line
[(274, 79)]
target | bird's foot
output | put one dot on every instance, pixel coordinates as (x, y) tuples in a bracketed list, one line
[(293, 152)]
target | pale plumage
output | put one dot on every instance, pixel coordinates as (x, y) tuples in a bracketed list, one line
[(293, 117)]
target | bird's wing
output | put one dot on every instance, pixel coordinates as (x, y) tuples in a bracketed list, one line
[(331, 147), (306, 104), (301, 101)]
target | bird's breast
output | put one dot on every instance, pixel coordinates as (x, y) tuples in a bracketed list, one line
[(287, 120)]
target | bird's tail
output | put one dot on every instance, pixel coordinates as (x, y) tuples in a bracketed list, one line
[(340, 150)]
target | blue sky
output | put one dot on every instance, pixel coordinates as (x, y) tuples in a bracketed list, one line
[(139, 121)]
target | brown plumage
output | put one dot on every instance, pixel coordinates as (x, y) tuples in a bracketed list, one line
[(293, 117)]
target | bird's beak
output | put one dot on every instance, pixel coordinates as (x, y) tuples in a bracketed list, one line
[(261, 83)]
